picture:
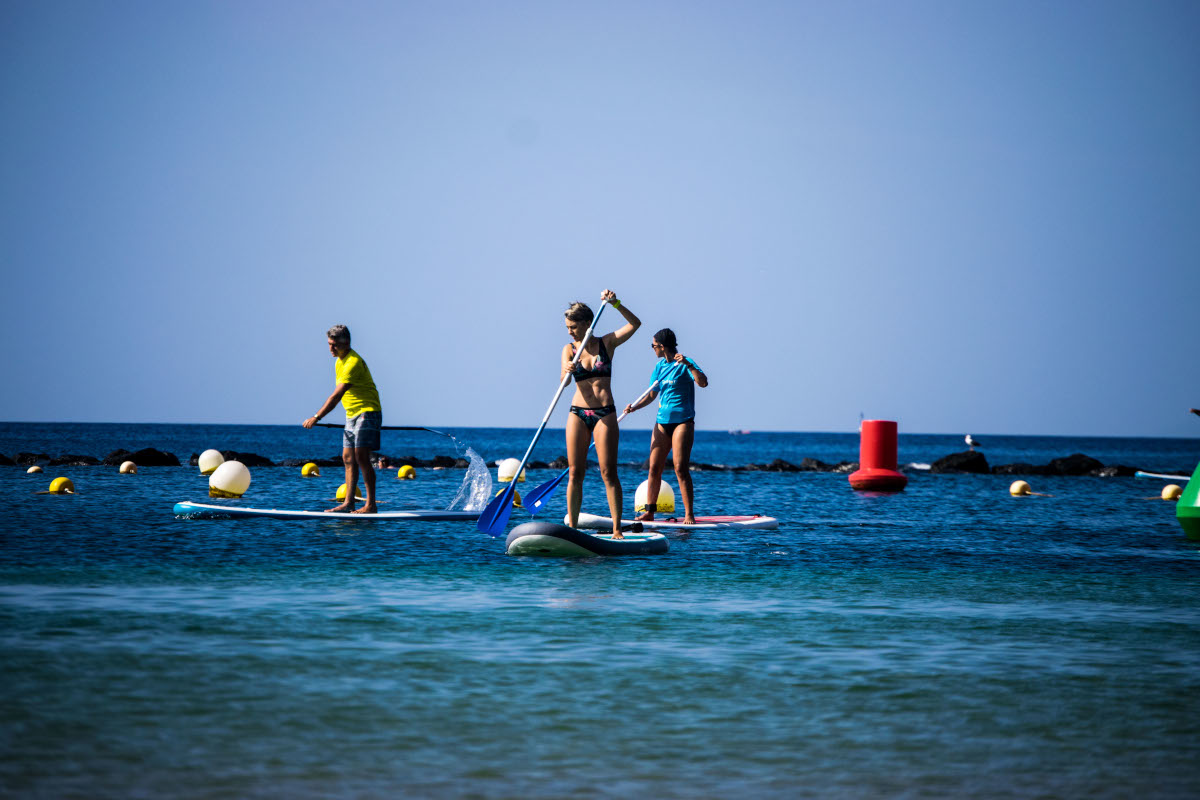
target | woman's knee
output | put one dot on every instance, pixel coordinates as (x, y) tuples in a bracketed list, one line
[(656, 468)]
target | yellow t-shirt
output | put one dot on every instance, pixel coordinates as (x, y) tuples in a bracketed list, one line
[(362, 394)]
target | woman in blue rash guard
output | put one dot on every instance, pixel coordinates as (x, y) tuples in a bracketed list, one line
[(675, 429)]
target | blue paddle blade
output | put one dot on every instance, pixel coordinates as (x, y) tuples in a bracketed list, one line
[(495, 516), (537, 498)]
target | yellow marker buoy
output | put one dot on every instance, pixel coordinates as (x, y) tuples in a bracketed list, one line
[(666, 498), (209, 461), (506, 470), (1171, 492), (310, 470), (1022, 489), (341, 492), (62, 486), (35, 469), (229, 479), (516, 501), (128, 468), (406, 473)]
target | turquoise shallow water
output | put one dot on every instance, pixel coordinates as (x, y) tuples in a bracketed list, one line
[(948, 641)]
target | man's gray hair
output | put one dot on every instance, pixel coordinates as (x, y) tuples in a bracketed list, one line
[(339, 333)]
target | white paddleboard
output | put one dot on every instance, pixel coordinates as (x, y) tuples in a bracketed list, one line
[(595, 522), (192, 510), (1160, 476)]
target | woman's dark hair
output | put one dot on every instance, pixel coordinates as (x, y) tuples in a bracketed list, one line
[(579, 312), (666, 337)]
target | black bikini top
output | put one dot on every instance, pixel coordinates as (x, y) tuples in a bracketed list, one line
[(601, 366)]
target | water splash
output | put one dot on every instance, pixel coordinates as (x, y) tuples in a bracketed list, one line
[(476, 488)]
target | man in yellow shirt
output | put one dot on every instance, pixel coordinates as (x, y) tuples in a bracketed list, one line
[(364, 417)]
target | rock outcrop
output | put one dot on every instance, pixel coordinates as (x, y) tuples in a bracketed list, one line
[(971, 461), (146, 457)]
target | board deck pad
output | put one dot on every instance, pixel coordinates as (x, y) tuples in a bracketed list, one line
[(755, 521)]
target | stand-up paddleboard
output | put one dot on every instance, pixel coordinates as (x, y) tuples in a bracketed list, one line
[(545, 538), (191, 510), (595, 522), (1160, 476)]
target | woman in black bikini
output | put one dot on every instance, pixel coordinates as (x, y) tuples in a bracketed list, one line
[(592, 408)]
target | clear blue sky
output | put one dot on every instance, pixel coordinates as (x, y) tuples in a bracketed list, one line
[(965, 216)]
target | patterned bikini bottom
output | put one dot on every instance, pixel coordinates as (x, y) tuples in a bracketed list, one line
[(591, 416)]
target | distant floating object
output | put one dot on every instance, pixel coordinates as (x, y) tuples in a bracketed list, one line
[(1160, 475), (1187, 509), (506, 471), (406, 472), (665, 503), (341, 492), (35, 469), (229, 479), (310, 470), (738, 433), (1171, 491), (972, 442), (128, 468), (1022, 489), (209, 461), (516, 501), (877, 454), (62, 486)]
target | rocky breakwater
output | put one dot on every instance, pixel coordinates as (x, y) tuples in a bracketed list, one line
[(1076, 464)]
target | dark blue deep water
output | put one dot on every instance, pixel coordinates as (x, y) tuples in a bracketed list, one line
[(947, 641)]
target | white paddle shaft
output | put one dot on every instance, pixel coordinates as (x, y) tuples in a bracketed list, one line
[(561, 387)]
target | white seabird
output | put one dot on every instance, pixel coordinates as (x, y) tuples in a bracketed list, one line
[(972, 443)]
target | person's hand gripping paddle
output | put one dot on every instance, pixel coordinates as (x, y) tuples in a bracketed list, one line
[(495, 516), (537, 498)]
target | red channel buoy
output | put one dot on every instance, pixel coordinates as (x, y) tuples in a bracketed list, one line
[(877, 458)]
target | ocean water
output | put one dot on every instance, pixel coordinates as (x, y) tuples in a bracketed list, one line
[(946, 641)]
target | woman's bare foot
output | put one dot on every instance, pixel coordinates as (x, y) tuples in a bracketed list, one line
[(344, 507), (645, 516), (689, 520), (618, 535), (367, 509)]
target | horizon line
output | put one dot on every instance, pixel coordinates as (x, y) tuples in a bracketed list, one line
[(727, 431)]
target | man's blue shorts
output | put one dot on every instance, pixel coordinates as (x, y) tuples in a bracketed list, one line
[(363, 431)]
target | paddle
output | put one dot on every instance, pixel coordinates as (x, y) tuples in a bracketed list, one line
[(495, 516), (536, 499), (385, 428)]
